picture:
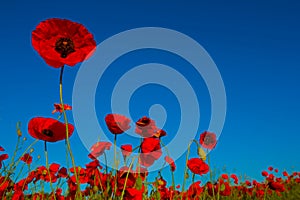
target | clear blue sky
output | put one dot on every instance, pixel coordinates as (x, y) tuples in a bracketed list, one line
[(255, 45)]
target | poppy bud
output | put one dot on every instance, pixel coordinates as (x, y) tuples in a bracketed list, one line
[(19, 132), (201, 153)]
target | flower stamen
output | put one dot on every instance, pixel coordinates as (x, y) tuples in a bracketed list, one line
[(64, 46), (47, 132)]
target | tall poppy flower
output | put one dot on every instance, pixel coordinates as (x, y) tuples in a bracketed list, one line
[(62, 42), (160, 133), (150, 151), (265, 173), (223, 188), (125, 175), (58, 108), (27, 158), (3, 157), (126, 150), (195, 190), (171, 162), (208, 140), (146, 127), (274, 185), (132, 193), (98, 149), (235, 178), (5, 184), (48, 129), (197, 166), (116, 123)]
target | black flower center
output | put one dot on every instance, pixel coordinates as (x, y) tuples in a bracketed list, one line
[(47, 132), (143, 122), (64, 46)]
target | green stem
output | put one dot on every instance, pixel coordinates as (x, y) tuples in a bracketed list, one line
[(67, 157), (265, 192), (115, 163), (123, 191), (12, 162), (210, 172), (20, 172), (139, 154), (27, 149), (47, 166), (185, 169), (135, 148), (67, 128), (193, 178), (11, 165), (106, 168), (172, 173), (19, 160)]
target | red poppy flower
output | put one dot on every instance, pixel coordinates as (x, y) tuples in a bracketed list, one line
[(3, 157), (264, 173), (62, 42), (116, 123), (270, 168), (58, 108), (223, 188), (132, 193), (126, 149), (160, 133), (58, 194), (248, 183), (18, 195), (1, 148), (197, 166), (141, 172), (62, 172), (160, 183), (195, 190), (276, 186), (101, 180), (54, 167), (93, 165), (224, 176), (81, 172), (123, 175), (5, 184), (171, 162), (235, 178), (146, 127), (27, 158), (48, 129), (99, 148), (42, 173), (208, 140), (150, 151)]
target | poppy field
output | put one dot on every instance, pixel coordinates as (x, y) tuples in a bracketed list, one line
[(62, 43)]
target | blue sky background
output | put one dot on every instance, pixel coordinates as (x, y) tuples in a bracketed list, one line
[(255, 45)]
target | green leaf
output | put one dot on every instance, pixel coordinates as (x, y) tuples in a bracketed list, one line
[(223, 187), (139, 183)]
